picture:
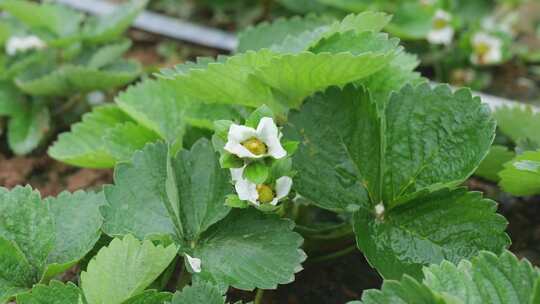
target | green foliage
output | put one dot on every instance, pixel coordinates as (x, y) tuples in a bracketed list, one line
[(521, 175), (400, 158), (487, 278), (40, 239), (519, 123), (200, 292), (124, 269), (181, 198), (493, 163)]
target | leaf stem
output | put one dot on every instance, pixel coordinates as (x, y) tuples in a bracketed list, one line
[(259, 296), (333, 255)]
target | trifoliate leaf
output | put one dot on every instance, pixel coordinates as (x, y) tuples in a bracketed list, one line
[(493, 163), (124, 139), (199, 293), (444, 225), (124, 269), (39, 239), (85, 144), (250, 249), (521, 175), (108, 27), (163, 108), (485, 279), (519, 123), (70, 79), (27, 128), (54, 293), (58, 19)]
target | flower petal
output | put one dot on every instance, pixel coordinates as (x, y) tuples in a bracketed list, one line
[(247, 191), (283, 186), (441, 36), (268, 132), (194, 263), (237, 173), (238, 134)]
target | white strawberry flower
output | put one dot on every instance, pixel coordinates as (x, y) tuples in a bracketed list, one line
[(441, 31), (246, 142), (262, 193), (487, 49), (17, 44), (194, 263)]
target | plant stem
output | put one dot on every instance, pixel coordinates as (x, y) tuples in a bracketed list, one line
[(259, 296), (333, 255)]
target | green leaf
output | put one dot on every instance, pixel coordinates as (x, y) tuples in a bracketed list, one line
[(521, 176), (250, 249), (28, 128), (110, 26), (519, 123), (77, 223), (255, 117), (137, 202), (58, 19), (70, 79), (265, 34), (11, 100), (149, 297), (493, 163), (341, 130), (16, 274), (108, 54), (487, 278), (181, 200), (234, 201), (124, 269), (124, 139), (54, 293), (39, 239), (163, 108), (202, 187), (411, 20), (406, 291), (433, 136), (444, 225), (257, 172), (228, 160), (85, 144), (198, 293)]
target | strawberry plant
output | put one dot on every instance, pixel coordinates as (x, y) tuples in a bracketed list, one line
[(223, 167), (53, 57)]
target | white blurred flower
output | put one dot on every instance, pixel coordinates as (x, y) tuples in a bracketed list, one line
[(194, 263), (246, 142), (262, 193), (441, 31), (16, 44), (487, 49)]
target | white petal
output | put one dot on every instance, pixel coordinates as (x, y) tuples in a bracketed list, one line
[(494, 55), (283, 186), (247, 191), (441, 36), (237, 173), (268, 132), (379, 209), (194, 263), (237, 135), (441, 14)]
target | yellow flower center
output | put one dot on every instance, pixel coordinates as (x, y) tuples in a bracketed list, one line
[(439, 23), (255, 146), (481, 48), (266, 194)]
